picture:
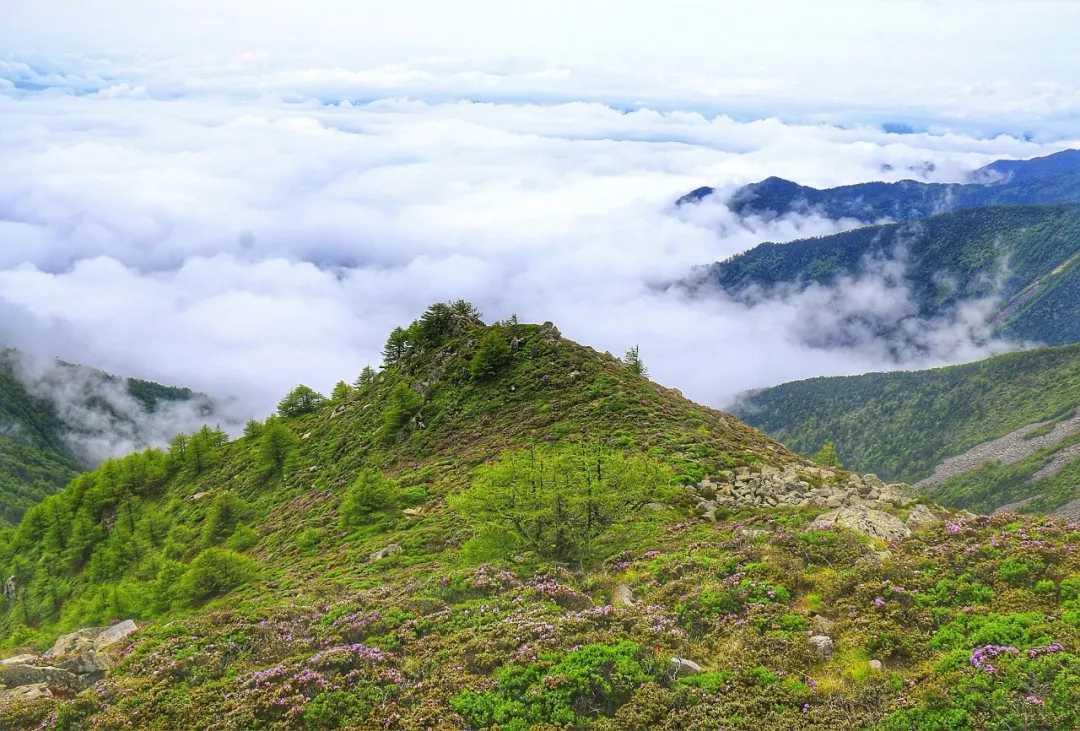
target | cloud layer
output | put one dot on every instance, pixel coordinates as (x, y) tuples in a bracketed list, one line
[(242, 231)]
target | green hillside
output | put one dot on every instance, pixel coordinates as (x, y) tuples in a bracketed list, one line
[(1051, 179), (901, 425), (499, 531), (949, 258), (36, 443)]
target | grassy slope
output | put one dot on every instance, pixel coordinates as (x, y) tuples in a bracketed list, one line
[(902, 424), (429, 639), (35, 459), (1034, 243)]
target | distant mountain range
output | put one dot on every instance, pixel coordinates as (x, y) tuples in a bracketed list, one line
[(1051, 179), (980, 436), (55, 418)]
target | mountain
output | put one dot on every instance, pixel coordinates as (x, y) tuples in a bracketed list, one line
[(1051, 179), (503, 529), (55, 417), (977, 436), (1024, 256)]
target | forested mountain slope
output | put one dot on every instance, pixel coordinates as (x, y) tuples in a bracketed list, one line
[(1051, 179), (1024, 256), (48, 412), (902, 425), (503, 529)]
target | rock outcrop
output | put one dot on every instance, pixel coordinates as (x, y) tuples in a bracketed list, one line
[(75, 662), (859, 518), (797, 486)]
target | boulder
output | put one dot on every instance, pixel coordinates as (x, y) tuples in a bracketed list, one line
[(623, 596), (25, 693), (899, 495), (391, 550), (117, 632), (75, 641), (55, 679), (20, 660), (821, 625), (88, 663), (822, 645), (657, 506), (921, 517), (874, 523), (682, 667), (875, 666)]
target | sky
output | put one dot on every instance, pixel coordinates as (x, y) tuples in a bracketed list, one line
[(241, 196)]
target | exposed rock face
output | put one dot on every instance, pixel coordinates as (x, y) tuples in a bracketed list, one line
[(622, 596), (75, 661), (874, 523), (682, 667), (390, 550), (822, 645), (772, 486), (921, 517)]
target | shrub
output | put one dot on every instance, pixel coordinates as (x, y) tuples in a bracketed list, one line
[(301, 400), (243, 538), (491, 357), (214, 572), (558, 502), (370, 493), (404, 404), (309, 539)]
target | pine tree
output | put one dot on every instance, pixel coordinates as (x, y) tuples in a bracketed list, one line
[(274, 447), (301, 400), (827, 456), (633, 361)]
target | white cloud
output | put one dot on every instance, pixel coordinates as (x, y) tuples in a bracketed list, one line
[(222, 228)]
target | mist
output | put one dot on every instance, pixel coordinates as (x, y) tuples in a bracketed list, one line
[(239, 229)]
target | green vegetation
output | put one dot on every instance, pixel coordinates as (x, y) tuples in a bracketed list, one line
[(900, 425), (1027, 255), (38, 454), (462, 574)]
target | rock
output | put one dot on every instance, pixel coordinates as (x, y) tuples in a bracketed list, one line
[(874, 523), (391, 550), (875, 666), (412, 512), (899, 494), (921, 517), (199, 496), (623, 596), (88, 663), (822, 645), (75, 641), (55, 679), (25, 693), (11, 588), (684, 668), (821, 625), (114, 634), (20, 660), (656, 506)]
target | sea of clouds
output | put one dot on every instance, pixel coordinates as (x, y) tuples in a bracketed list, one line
[(241, 226)]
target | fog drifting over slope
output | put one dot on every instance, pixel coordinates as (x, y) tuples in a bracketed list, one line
[(238, 229)]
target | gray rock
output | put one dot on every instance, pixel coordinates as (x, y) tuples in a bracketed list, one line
[(75, 641), (88, 663), (20, 660), (682, 667), (114, 634), (25, 693), (391, 550), (874, 523), (656, 506), (899, 495), (821, 625), (17, 676), (822, 645), (921, 517), (623, 596), (875, 666)]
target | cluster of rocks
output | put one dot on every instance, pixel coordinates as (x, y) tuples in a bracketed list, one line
[(772, 486), (75, 662), (857, 502)]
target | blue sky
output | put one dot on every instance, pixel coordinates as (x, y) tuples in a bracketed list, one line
[(241, 196)]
